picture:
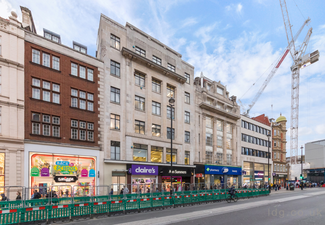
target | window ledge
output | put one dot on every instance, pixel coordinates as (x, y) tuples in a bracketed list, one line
[(116, 103), (41, 135), (159, 93), (141, 87), (54, 70), (44, 101), (115, 129), (84, 110), (81, 140), (82, 78), (113, 75), (139, 110), (156, 115), (115, 48)]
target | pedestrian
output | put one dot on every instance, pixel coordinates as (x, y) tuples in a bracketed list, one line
[(18, 196), (121, 193), (36, 195), (3, 197), (66, 193), (148, 190), (125, 190), (111, 192)]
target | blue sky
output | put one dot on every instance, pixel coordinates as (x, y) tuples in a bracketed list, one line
[(235, 42)]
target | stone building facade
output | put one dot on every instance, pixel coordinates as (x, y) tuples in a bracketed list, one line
[(11, 101), (217, 125), (141, 75), (279, 141)]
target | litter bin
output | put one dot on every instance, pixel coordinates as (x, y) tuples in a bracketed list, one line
[(292, 187)]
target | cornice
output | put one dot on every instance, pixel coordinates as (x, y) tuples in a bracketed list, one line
[(11, 62), (134, 56), (222, 112)]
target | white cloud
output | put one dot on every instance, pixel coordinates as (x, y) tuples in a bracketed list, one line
[(320, 129), (235, 7), (189, 22), (5, 9)]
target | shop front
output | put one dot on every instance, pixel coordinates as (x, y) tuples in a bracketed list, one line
[(218, 176), (255, 174), (280, 179), (142, 178), (181, 177)]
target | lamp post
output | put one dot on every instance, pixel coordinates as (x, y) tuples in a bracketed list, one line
[(301, 183), (268, 160), (171, 104)]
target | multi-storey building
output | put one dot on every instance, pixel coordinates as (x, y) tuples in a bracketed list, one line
[(256, 149), (141, 76), (279, 142), (61, 114), (11, 101), (217, 130)]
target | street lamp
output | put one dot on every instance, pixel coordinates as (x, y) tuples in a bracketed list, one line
[(301, 176), (268, 160), (171, 104)]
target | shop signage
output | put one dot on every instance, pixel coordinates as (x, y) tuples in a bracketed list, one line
[(34, 172), (63, 163), (92, 173), (65, 169), (84, 173), (281, 175), (273, 174), (177, 171), (65, 179), (144, 170), (45, 172), (223, 170), (259, 174), (199, 175), (244, 172)]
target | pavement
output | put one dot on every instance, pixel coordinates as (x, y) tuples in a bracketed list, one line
[(281, 207)]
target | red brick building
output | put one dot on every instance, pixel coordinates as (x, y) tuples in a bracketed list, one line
[(61, 113)]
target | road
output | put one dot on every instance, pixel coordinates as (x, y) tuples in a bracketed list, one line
[(284, 207)]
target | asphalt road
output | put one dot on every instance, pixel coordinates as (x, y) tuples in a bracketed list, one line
[(284, 207)]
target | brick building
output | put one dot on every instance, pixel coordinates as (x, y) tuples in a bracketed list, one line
[(61, 114)]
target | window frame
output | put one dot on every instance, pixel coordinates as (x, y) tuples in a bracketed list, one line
[(115, 145), (82, 130), (187, 117), (114, 40), (154, 130), (140, 51), (187, 98), (156, 106), (187, 137), (115, 118), (141, 125), (115, 69), (116, 92), (156, 60)]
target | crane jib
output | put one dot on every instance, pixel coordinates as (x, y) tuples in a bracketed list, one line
[(283, 57)]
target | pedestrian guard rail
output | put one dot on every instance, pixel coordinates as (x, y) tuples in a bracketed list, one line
[(14, 212)]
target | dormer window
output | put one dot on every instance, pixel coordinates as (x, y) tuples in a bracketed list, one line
[(79, 47), (52, 36)]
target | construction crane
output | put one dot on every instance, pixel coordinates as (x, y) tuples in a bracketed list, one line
[(277, 64), (300, 60)]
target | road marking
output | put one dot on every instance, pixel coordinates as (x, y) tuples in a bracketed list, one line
[(217, 211)]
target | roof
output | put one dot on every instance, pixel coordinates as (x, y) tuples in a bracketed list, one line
[(280, 119)]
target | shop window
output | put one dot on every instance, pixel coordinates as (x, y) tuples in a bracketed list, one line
[(156, 154), (115, 150), (219, 158), (2, 172), (208, 157), (168, 155), (187, 158), (140, 152)]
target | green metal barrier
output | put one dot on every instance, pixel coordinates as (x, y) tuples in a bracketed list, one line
[(81, 209), (100, 207), (168, 200), (10, 216), (178, 200), (59, 211), (116, 205), (11, 205), (145, 203), (202, 197), (157, 202), (34, 214), (131, 204)]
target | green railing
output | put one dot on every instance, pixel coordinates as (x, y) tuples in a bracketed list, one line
[(14, 212)]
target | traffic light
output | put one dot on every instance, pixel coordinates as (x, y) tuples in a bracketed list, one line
[(301, 177), (296, 178)]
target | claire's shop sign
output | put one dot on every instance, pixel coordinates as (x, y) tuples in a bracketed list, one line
[(143, 170)]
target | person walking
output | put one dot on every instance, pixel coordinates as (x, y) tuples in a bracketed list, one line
[(18, 196), (125, 190)]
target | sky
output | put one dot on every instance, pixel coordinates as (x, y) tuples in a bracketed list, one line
[(234, 42)]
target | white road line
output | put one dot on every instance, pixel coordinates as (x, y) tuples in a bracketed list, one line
[(206, 213)]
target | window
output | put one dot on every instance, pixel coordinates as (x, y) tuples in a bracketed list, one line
[(56, 98), (46, 96), (209, 122), (55, 63), (36, 56), (170, 91), (187, 76), (187, 117), (170, 67), (46, 59), (156, 130), (229, 144), (187, 158), (274, 132), (115, 122), (219, 141), (46, 85), (219, 159), (139, 79), (210, 101), (82, 72), (79, 48), (208, 86), (229, 159), (170, 133), (74, 69), (219, 125), (274, 143), (115, 95), (156, 108), (83, 132), (36, 93), (46, 91), (115, 42), (187, 97), (90, 74), (229, 128), (170, 112), (156, 60), (274, 156), (50, 36), (208, 139), (115, 150), (208, 157), (140, 103), (156, 154), (168, 153), (115, 68), (139, 127), (140, 152), (140, 51), (156, 85), (48, 128), (220, 90), (187, 137), (85, 100), (0, 73)]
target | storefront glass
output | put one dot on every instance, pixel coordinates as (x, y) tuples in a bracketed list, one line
[(142, 184), (156, 154), (168, 155), (177, 183), (2, 171), (140, 152), (64, 173)]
